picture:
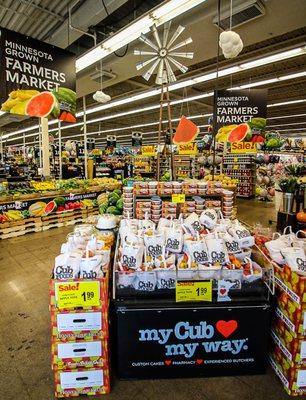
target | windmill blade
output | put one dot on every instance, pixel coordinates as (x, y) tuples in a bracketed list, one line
[(183, 55), (167, 27), (176, 34), (140, 65), (144, 53), (180, 66), (160, 73), (156, 35), (147, 41), (150, 71), (183, 43), (170, 74)]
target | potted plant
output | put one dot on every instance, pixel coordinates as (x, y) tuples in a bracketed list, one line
[(288, 186)]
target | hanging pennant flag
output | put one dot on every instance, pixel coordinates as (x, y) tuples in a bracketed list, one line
[(186, 131)]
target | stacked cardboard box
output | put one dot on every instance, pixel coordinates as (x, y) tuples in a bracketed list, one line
[(288, 353), (79, 332)]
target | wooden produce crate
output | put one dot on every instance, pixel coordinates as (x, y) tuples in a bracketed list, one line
[(19, 228)]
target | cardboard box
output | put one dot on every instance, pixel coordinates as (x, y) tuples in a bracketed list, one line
[(291, 313), (74, 288), (82, 354), (291, 283), (70, 326), (293, 349), (293, 379), (82, 382)]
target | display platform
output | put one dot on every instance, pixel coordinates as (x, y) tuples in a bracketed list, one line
[(163, 339)]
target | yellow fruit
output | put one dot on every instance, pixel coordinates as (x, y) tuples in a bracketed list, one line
[(19, 108), (37, 209)]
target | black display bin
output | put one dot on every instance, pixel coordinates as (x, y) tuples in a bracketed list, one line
[(163, 339)]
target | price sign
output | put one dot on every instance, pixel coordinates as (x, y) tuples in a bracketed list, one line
[(178, 198), (235, 166), (193, 291), (235, 159), (77, 294)]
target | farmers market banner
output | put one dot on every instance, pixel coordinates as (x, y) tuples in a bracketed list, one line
[(240, 115), (187, 342), (37, 79)]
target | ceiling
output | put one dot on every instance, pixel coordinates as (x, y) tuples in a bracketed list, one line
[(281, 28)]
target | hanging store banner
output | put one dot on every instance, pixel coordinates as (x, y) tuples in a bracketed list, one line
[(149, 151), (36, 78), (111, 141), (136, 139), (240, 115), (188, 149)]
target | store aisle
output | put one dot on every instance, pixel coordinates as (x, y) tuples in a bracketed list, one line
[(25, 265)]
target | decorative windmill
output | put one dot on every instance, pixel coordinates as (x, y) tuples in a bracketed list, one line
[(164, 56)]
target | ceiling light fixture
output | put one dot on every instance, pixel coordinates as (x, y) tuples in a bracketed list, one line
[(158, 16)]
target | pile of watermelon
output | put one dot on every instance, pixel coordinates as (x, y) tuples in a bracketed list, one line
[(111, 203)]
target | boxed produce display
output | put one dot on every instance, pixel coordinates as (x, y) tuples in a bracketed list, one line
[(288, 352), (151, 257), (79, 311)]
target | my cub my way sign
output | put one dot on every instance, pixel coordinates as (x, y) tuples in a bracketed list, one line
[(192, 342)]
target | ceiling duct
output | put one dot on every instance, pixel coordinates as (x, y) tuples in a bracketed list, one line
[(246, 12), (105, 75)]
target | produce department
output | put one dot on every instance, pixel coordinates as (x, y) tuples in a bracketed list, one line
[(152, 199)]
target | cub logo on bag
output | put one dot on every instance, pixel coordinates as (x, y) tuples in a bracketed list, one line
[(242, 234), (89, 275), (173, 244), (129, 261), (210, 215), (196, 225), (232, 247), (63, 272), (145, 285), (155, 250), (167, 283), (218, 257), (301, 264), (200, 256)]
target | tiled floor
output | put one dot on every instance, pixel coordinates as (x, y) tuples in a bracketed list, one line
[(25, 373)]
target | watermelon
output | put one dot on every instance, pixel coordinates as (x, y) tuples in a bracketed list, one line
[(117, 191), (59, 201), (113, 210), (119, 204), (239, 133), (41, 105), (50, 207), (186, 131)]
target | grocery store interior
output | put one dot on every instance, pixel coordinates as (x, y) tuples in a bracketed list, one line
[(152, 199)]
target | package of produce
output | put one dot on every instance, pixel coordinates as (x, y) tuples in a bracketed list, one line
[(295, 258), (251, 270), (274, 248), (174, 239), (209, 218), (132, 256), (299, 241), (192, 224), (145, 281), (217, 251), (232, 244), (242, 235), (91, 265), (197, 253), (166, 277), (154, 249), (67, 266)]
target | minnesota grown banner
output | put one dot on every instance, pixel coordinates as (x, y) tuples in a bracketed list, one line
[(36, 79), (240, 115)]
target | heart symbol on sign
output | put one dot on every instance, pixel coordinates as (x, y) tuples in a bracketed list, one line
[(168, 362), (222, 291), (199, 361), (226, 328)]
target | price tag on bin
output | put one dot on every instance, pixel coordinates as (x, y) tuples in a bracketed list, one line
[(193, 291), (77, 294), (178, 198)]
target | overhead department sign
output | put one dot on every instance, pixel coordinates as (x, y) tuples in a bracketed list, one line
[(37, 79)]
